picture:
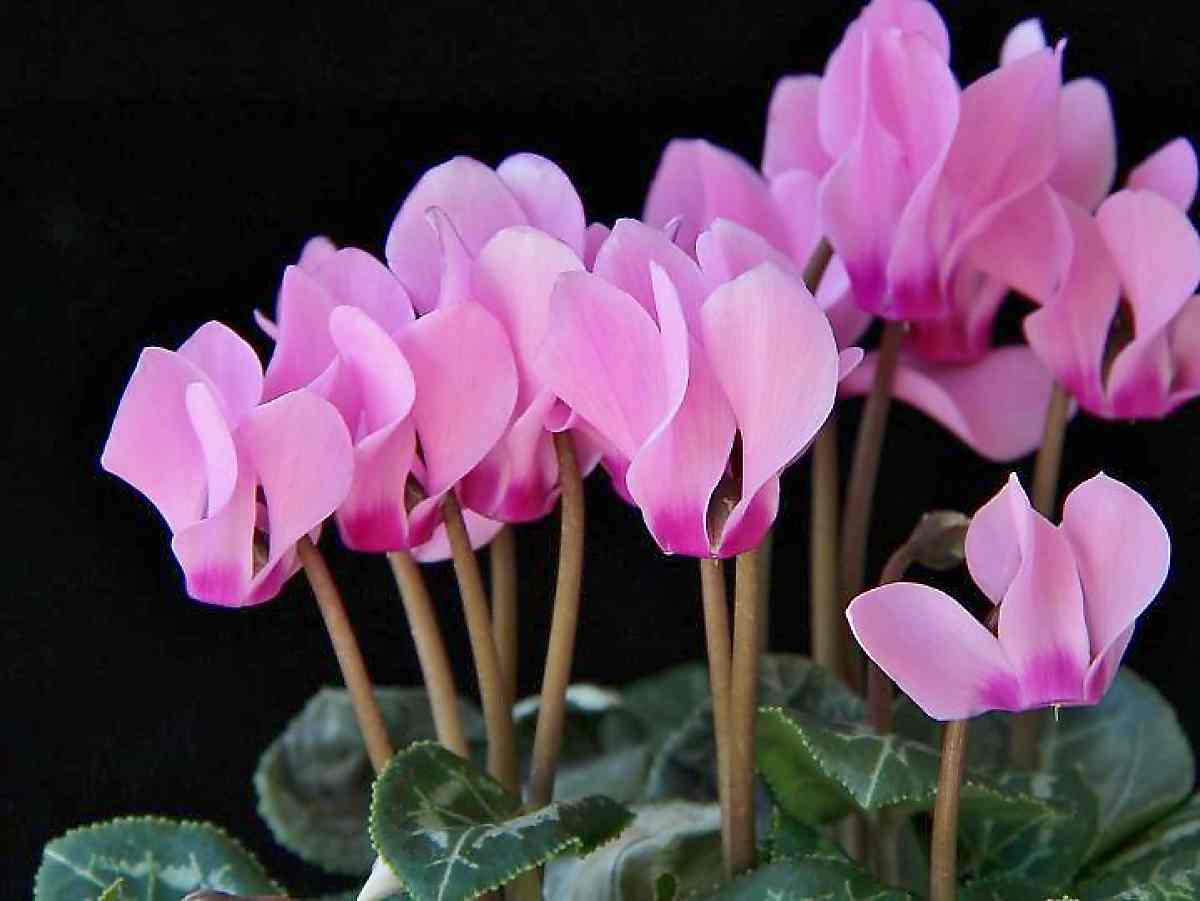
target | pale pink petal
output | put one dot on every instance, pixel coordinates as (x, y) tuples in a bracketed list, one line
[(1043, 627), (1184, 337), (1139, 379), (965, 334), (456, 260), (231, 365), (370, 357), (1170, 171), (303, 349), (848, 361), (773, 353), (996, 405), (934, 650), (792, 138), (1104, 668), (797, 195), (593, 239), (848, 320), (518, 480), (1087, 143), (473, 197), (466, 389), (913, 17), (1027, 246), (1025, 39), (625, 259), (216, 444), (300, 451), (315, 251), (217, 553), (547, 196), (353, 277), (1122, 551), (841, 102), (268, 326), (699, 182), (726, 249), (1156, 251), (603, 356), (480, 530), (375, 514), (993, 547), (673, 476), (153, 445), (513, 278)]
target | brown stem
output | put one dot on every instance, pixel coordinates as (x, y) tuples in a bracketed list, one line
[(493, 688), (824, 609), (431, 652), (743, 710), (349, 655), (547, 737), (502, 554), (943, 861), (1027, 726), (860, 492), (716, 633)]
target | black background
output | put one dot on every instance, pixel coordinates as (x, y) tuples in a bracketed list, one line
[(160, 166)]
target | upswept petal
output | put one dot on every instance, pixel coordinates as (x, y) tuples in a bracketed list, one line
[(153, 445), (915, 17), (673, 476), (797, 198), (216, 444), (232, 366), (375, 515), (726, 249), (993, 547), (624, 261), (698, 181), (1117, 586), (1157, 253), (1043, 627), (793, 141), (547, 196), (217, 553), (355, 278), (315, 251), (1025, 39), (898, 624), (474, 198), (995, 405), (303, 349), (1139, 379), (842, 101), (1087, 143), (466, 389), (456, 259), (513, 278), (1170, 171), (384, 381), (593, 239), (848, 320), (774, 355)]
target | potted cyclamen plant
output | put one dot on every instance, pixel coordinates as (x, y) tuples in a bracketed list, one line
[(504, 349)]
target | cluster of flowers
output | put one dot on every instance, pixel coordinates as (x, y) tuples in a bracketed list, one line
[(684, 353)]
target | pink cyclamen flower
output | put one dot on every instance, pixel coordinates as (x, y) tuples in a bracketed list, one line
[(499, 240), (1068, 599), (425, 399), (225, 470), (701, 390)]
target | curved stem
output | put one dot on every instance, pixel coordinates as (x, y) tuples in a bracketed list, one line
[(349, 655), (860, 492), (716, 633), (824, 610), (493, 689), (502, 555), (943, 863), (547, 737), (431, 652), (743, 710)]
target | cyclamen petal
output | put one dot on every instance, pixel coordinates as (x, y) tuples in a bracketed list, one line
[(1170, 171), (792, 140), (546, 195)]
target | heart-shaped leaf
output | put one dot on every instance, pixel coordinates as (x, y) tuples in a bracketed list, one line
[(1001, 888), (792, 839), (314, 781), (807, 879), (669, 851), (449, 832), (1169, 848), (1130, 751), (149, 858), (596, 724)]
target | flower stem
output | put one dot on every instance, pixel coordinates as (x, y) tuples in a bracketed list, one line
[(860, 492), (431, 652), (502, 554), (824, 611), (943, 869), (1027, 726), (547, 737), (716, 633), (743, 710), (349, 655), (493, 689)]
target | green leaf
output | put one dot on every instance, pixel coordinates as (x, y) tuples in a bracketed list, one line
[(115, 892), (620, 775), (1046, 849), (450, 832), (819, 771), (663, 702), (1181, 885), (314, 781), (792, 839), (669, 851), (158, 859), (804, 880), (596, 723), (685, 766), (1001, 888), (1130, 751), (1169, 848)]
